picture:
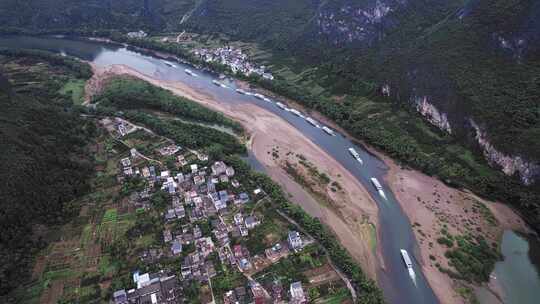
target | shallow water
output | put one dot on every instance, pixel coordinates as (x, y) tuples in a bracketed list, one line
[(517, 277)]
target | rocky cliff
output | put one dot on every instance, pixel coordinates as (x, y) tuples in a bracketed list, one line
[(528, 171)]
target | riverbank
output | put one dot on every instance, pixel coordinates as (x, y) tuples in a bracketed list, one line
[(427, 218), (268, 131), (432, 208)]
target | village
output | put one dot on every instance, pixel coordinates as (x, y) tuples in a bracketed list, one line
[(219, 234), (234, 58)]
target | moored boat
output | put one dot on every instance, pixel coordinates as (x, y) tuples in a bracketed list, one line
[(313, 122), (281, 106), (296, 112), (240, 91), (328, 130)]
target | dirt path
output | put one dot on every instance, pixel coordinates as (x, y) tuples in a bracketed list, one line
[(267, 130)]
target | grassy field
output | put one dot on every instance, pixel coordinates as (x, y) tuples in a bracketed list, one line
[(75, 89)]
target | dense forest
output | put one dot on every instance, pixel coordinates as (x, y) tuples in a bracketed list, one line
[(45, 162)]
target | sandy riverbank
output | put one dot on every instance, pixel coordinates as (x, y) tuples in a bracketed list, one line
[(421, 197), (268, 131), (431, 206)]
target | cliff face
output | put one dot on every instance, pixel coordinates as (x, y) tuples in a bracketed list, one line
[(432, 114), (528, 171)]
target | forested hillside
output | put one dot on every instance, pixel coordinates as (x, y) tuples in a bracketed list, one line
[(94, 14), (45, 164), (470, 68)]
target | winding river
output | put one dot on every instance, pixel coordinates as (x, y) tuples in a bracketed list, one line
[(395, 230)]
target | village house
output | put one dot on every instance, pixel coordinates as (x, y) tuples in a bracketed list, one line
[(257, 292), (229, 171), (251, 222), (230, 298), (176, 247), (223, 178), (180, 177), (294, 240), (198, 180), (297, 293), (205, 246), (218, 168), (167, 236), (238, 219), (145, 172), (181, 160), (244, 264), (243, 198), (170, 215), (275, 252), (126, 162)]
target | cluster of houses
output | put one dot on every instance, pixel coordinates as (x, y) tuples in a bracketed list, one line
[(235, 59), (204, 213), (154, 288)]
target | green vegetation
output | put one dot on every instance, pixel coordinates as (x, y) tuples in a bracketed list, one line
[(473, 258), (226, 280), (75, 89), (130, 93), (136, 97), (47, 163)]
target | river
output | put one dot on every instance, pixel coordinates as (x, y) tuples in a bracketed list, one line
[(395, 230)]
